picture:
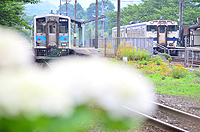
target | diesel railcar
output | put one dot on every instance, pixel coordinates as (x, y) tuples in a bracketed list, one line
[(163, 32), (51, 36)]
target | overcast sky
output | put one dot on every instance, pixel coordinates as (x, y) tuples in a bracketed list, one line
[(86, 3)]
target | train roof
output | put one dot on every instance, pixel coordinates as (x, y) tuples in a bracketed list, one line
[(51, 15), (61, 16), (79, 22), (161, 20), (154, 22), (194, 26)]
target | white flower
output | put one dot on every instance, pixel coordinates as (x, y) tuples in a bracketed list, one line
[(29, 92), (13, 49), (110, 85)]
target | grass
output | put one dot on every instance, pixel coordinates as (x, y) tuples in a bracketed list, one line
[(167, 78), (187, 86)]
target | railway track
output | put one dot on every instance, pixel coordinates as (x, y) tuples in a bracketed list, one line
[(188, 62), (48, 65), (164, 120), (171, 127)]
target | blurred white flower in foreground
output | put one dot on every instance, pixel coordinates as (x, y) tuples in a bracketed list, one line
[(31, 94), (74, 82), (110, 85), (13, 49), (25, 90)]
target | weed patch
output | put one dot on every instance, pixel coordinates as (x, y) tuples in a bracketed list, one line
[(172, 80)]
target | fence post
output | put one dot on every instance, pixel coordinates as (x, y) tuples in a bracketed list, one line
[(116, 45), (185, 52), (168, 51), (105, 48), (192, 57)]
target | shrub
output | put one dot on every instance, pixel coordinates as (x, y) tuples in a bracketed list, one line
[(158, 62), (179, 72), (132, 53), (197, 73), (167, 56), (145, 62), (163, 78)]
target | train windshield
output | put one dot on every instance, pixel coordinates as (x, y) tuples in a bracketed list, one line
[(40, 25), (172, 28), (162, 29), (52, 28), (151, 28), (63, 25)]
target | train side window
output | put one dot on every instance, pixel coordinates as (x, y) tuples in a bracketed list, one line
[(172, 28), (151, 28)]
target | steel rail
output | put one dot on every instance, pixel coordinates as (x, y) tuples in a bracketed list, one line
[(49, 66), (159, 123), (189, 63), (179, 113)]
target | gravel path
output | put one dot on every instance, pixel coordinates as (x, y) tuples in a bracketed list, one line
[(181, 103)]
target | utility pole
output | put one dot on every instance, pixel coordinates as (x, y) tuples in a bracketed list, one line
[(75, 25), (102, 20), (180, 18), (118, 27), (60, 7), (96, 26)]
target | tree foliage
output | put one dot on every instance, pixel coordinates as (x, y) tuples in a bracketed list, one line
[(80, 13), (91, 10), (24, 1), (91, 13), (152, 10), (11, 13)]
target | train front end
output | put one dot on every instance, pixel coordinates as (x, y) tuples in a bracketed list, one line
[(164, 32), (51, 36)]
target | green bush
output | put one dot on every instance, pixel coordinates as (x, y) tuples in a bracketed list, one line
[(133, 53), (197, 73), (167, 56), (178, 72)]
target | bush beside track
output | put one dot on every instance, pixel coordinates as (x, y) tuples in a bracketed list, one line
[(168, 78)]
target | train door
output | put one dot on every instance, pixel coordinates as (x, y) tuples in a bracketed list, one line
[(162, 35), (52, 34)]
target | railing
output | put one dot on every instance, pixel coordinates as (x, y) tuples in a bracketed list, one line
[(110, 46), (161, 47)]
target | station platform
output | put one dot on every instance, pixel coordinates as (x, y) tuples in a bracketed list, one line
[(86, 51), (189, 48)]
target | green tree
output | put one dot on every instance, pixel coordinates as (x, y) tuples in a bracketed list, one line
[(24, 1), (91, 13), (91, 10), (28, 19), (153, 9), (71, 12), (11, 12)]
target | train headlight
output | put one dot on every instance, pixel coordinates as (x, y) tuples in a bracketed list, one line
[(151, 22), (63, 44), (173, 22)]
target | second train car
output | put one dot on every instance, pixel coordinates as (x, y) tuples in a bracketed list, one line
[(163, 32)]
